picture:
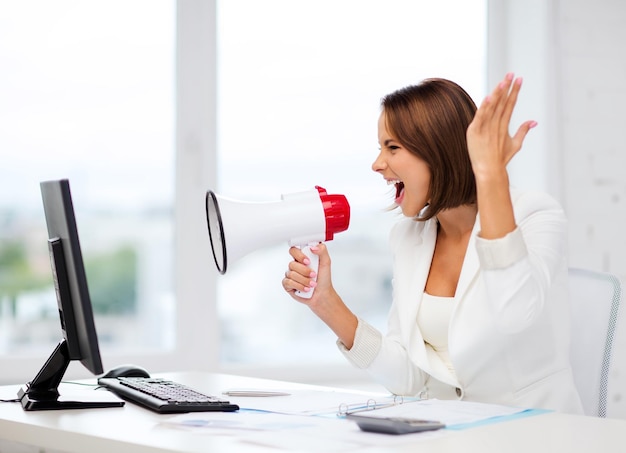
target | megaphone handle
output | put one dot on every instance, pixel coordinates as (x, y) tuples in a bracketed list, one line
[(314, 265)]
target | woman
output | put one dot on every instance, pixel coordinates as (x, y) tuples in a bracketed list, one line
[(479, 306)]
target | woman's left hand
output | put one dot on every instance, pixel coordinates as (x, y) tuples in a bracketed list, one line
[(490, 145)]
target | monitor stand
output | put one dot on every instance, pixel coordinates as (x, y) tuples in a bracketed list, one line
[(42, 392)]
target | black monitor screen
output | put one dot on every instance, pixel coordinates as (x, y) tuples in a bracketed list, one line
[(80, 341), (76, 313)]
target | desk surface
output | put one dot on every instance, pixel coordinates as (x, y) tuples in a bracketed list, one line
[(134, 429)]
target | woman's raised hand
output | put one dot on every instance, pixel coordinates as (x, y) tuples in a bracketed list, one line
[(490, 145)]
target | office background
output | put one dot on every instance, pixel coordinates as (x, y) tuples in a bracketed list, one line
[(567, 51)]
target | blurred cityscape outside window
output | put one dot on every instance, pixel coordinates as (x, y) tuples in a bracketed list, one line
[(87, 94)]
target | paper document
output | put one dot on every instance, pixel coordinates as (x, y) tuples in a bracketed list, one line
[(289, 432), (291, 416), (452, 413)]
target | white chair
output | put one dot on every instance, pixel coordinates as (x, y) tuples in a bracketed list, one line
[(594, 301)]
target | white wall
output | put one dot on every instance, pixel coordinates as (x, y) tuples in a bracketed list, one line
[(573, 56), (591, 74)]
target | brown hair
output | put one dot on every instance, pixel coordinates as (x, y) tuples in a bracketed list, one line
[(430, 120)]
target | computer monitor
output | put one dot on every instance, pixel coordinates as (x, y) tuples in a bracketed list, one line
[(80, 340)]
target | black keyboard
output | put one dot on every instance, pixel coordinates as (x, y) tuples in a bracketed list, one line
[(165, 397)]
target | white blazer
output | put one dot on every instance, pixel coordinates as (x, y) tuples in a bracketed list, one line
[(509, 330)]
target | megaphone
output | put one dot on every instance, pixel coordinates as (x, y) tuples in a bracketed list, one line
[(302, 219)]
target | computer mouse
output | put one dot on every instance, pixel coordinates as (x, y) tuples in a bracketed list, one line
[(126, 371)]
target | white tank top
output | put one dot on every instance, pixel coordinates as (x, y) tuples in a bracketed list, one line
[(433, 320)]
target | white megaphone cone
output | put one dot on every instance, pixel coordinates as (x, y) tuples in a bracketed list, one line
[(237, 228)]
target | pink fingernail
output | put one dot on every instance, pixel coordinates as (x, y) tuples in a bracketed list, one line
[(312, 283), (307, 261), (313, 274), (532, 124)]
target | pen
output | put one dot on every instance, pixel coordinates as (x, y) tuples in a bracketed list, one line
[(252, 392)]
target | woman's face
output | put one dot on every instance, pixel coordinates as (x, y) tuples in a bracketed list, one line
[(410, 174)]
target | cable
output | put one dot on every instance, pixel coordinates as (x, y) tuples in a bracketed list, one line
[(17, 400)]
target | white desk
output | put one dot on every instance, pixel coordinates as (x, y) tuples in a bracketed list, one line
[(134, 429)]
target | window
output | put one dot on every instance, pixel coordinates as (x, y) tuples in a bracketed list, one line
[(299, 87), (87, 93)]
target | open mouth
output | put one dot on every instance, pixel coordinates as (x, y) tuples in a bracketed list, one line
[(399, 189), (399, 186)]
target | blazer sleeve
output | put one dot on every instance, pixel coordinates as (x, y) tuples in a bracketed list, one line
[(385, 359), (519, 270)]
